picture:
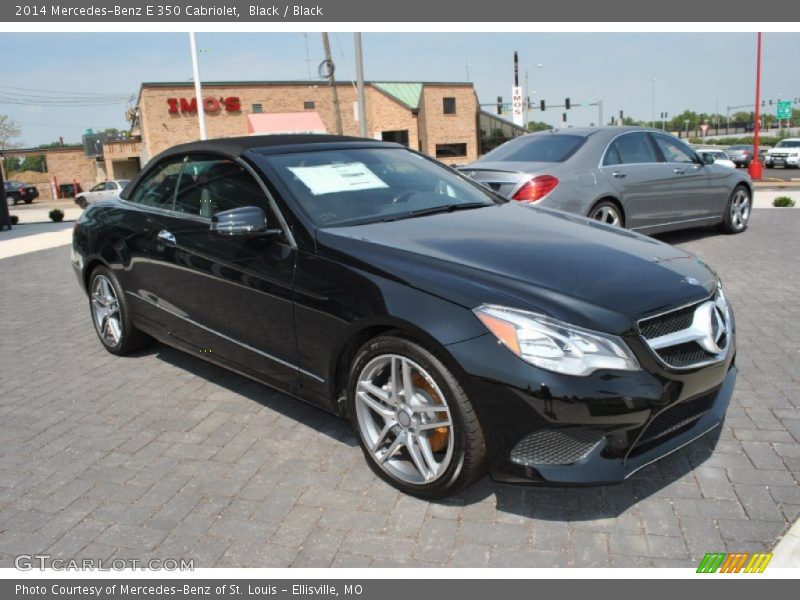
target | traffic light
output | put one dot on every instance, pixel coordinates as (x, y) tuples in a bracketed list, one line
[(541, 105), (770, 101), (564, 117), (621, 117), (499, 105), (566, 104)]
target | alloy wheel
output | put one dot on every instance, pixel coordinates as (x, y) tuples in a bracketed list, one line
[(105, 311), (404, 419), (608, 214), (740, 209)]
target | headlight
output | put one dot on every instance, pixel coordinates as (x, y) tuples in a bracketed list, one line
[(554, 345)]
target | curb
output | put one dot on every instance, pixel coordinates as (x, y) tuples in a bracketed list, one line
[(787, 550)]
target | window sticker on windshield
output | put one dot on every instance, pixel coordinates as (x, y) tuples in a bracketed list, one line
[(330, 179)]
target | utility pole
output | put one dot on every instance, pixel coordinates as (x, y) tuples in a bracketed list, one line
[(198, 90), (332, 80), (362, 100)]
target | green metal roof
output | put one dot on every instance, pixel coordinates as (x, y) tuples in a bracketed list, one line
[(407, 93)]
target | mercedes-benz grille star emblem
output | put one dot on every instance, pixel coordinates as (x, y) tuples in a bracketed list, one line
[(716, 330)]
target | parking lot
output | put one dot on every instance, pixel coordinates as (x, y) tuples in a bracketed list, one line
[(163, 455)]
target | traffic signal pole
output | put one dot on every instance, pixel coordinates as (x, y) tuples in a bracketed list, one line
[(755, 164)]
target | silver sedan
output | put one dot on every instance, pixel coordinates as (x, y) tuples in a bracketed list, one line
[(642, 179)]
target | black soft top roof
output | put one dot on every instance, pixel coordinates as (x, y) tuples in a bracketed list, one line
[(236, 146)]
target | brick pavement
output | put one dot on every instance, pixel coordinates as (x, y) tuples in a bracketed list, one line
[(162, 455)]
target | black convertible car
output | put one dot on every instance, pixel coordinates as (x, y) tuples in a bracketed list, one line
[(459, 332)]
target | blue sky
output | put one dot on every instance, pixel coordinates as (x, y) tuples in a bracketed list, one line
[(691, 69)]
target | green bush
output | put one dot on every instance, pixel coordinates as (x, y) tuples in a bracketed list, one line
[(56, 215), (736, 141), (783, 202), (14, 219)]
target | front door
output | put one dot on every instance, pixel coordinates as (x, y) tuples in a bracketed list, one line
[(227, 296), (693, 197)]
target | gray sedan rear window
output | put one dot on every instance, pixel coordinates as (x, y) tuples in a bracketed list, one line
[(537, 148)]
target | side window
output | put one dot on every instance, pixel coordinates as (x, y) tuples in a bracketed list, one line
[(673, 150), (612, 156), (158, 187), (99, 187), (111, 185), (635, 148), (211, 184)]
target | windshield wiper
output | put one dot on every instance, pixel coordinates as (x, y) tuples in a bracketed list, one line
[(445, 208)]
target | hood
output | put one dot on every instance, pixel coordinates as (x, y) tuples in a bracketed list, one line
[(527, 257)]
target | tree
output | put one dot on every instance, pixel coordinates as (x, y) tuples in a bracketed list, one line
[(539, 126), (9, 132)]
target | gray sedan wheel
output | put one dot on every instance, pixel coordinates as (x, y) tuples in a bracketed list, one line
[(608, 213), (737, 211)]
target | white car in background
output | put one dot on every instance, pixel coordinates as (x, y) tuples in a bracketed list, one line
[(719, 156), (101, 191), (785, 153)]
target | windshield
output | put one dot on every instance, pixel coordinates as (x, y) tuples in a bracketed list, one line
[(788, 144), (351, 186), (536, 148)]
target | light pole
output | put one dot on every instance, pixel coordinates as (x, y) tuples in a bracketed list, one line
[(653, 121), (468, 66), (755, 164), (198, 91), (716, 115), (527, 97), (686, 134)]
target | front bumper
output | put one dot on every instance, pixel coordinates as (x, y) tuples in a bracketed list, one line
[(782, 161), (547, 427)]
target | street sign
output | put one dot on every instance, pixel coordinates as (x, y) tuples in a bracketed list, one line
[(516, 105), (784, 110)]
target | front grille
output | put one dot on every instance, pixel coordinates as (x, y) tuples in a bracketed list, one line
[(673, 421), (555, 446), (684, 355), (690, 336), (668, 323)]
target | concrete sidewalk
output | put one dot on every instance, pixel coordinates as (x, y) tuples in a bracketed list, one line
[(31, 238), (42, 215)]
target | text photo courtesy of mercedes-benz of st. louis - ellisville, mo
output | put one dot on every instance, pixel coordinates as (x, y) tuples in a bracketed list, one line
[(509, 315)]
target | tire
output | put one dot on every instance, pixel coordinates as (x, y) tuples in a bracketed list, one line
[(737, 211), (607, 212), (11, 200), (81, 202), (399, 439), (29, 200), (110, 312)]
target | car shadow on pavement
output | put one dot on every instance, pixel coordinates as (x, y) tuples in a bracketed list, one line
[(311, 416), (683, 236)]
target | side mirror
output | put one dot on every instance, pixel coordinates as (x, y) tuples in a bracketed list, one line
[(708, 159), (243, 221)]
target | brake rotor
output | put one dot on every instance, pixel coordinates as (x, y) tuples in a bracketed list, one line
[(438, 437)]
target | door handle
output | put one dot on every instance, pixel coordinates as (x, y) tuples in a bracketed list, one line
[(618, 174), (678, 171), (166, 237)]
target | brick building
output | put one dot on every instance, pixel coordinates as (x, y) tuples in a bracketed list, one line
[(442, 120), (438, 119)]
